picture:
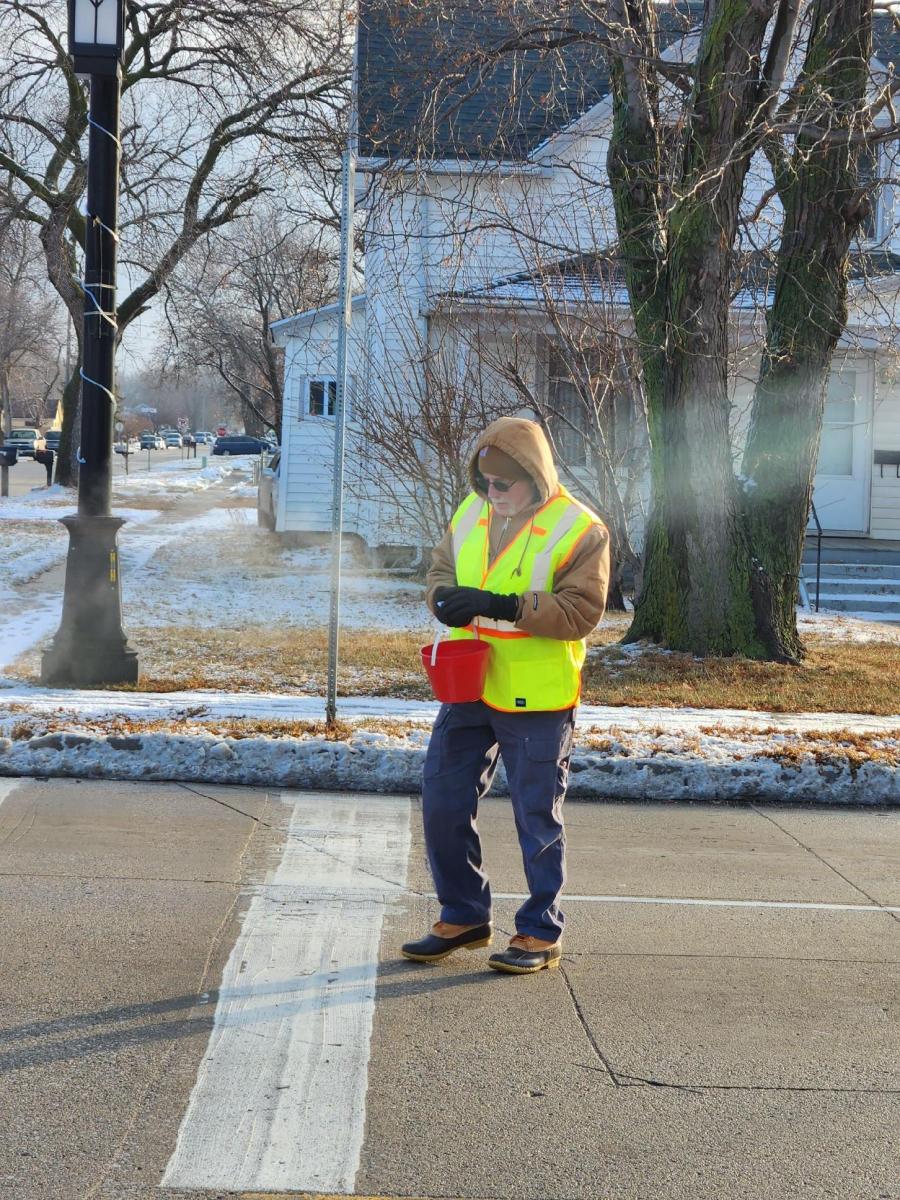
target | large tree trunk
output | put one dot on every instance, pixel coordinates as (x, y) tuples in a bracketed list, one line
[(696, 562), (822, 211)]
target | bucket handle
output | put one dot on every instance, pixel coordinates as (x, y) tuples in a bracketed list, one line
[(441, 632), (434, 644)]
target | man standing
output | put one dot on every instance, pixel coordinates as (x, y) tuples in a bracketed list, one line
[(526, 567)]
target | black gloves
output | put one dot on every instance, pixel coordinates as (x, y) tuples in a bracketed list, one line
[(459, 605)]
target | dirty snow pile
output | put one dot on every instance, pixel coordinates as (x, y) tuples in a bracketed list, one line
[(379, 745)]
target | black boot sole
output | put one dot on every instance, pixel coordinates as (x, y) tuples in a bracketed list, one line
[(445, 953), (497, 964)]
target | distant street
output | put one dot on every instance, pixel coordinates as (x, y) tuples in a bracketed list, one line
[(27, 474), (200, 994)]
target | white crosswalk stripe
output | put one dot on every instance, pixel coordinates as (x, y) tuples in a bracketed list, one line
[(279, 1101)]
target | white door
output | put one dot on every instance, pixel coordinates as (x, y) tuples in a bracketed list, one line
[(844, 469)]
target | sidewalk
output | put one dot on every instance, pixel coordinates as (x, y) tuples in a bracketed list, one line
[(280, 741), (201, 998)]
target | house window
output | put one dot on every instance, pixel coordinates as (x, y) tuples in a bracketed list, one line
[(567, 416), (869, 175), (322, 397), (836, 446)]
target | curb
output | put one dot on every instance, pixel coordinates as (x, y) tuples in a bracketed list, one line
[(318, 764)]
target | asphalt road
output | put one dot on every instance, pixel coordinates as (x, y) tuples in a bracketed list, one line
[(200, 995), (27, 474)]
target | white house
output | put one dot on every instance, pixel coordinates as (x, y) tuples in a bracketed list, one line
[(467, 246)]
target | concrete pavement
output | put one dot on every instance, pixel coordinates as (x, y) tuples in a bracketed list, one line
[(724, 1025)]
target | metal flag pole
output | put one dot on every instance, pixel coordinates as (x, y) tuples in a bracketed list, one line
[(348, 178)]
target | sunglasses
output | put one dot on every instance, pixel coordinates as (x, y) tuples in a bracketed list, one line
[(499, 485)]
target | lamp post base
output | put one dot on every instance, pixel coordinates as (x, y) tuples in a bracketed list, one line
[(90, 647)]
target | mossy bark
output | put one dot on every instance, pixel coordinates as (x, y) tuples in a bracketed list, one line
[(678, 269), (823, 208)]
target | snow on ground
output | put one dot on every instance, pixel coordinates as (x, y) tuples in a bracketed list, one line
[(379, 752), (180, 478), (223, 573), (214, 568), (150, 707), (848, 627)]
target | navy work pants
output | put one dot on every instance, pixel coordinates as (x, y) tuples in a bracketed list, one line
[(459, 767)]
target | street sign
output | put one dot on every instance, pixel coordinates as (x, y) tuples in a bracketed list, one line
[(221, 430), (119, 426), (184, 424)]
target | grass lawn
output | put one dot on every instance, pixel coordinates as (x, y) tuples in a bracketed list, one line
[(837, 676)]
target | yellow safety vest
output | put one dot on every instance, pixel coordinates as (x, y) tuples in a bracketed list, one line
[(525, 673)]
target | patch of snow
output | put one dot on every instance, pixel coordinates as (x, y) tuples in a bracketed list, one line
[(847, 626), (591, 718), (179, 478), (35, 623), (235, 570), (662, 767)]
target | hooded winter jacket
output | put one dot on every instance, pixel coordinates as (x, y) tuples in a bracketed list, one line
[(577, 597)]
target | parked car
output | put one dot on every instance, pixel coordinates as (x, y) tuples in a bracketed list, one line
[(127, 446), (151, 441), (26, 441), (52, 438), (204, 438), (239, 443), (173, 440), (267, 493)]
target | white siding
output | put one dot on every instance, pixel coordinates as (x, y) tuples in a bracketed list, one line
[(885, 522), (307, 443)]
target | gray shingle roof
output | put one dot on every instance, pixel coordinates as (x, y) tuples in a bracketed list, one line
[(433, 78)]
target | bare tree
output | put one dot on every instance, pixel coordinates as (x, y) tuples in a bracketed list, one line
[(29, 365), (418, 426), (787, 81), (221, 103), (222, 303)]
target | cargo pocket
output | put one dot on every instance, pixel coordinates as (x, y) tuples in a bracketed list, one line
[(436, 754), (544, 751)]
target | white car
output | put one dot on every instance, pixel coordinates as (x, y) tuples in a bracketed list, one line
[(26, 441)]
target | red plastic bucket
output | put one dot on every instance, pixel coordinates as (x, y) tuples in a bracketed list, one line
[(459, 670)]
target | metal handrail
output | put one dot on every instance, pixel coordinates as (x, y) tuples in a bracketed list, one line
[(815, 517)]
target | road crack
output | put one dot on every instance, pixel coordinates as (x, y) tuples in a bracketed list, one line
[(588, 1032), (825, 863)]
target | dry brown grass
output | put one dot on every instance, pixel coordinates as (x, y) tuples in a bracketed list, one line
[(837, 676)]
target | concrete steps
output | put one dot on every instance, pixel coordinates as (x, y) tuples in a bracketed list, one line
[(868, 588)]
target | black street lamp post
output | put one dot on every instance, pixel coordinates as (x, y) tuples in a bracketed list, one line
[(90, 646)]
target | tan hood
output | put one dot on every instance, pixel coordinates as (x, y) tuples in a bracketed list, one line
[(527, 443)]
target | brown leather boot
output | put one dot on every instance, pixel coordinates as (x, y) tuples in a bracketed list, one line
[(525, 955), (444, 939)]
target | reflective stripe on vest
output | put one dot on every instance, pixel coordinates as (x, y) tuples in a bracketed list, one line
[(525, 673)]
